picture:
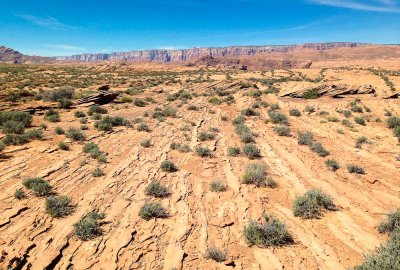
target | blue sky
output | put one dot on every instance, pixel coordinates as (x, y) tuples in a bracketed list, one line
[(66, 27)]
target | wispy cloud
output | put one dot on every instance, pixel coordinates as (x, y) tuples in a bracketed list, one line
[(48, 22), (65, 47), (366, 5)]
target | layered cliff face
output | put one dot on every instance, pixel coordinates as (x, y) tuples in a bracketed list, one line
[(188, 54), (10, 56)]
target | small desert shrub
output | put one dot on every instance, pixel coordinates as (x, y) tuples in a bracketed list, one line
[(355, 108), (270, 233), (183, 148), (83, 120), (360, 120), (239, 120), (305, 138), (143, 127), (97, 172), (57, 206), (282, 131), (64, 92), (65, 103), (204, 136), (311, 94), (168, 166), (107, 123), (59, 130), (126, 99), (214, 101), (153, 210), (192, 108), (19, 194), (352, 168), (277, 118), (233, 151), (309, 109), (169, 111), (63, 146), (270, 182), (360, 141), (97, 109), (332, 164), (139, 102), (145, 143), (12, 127), (333, 119), (203, 151), (38, 185), (157, 190), (255, 174), (215, 254), (347, 113), (393, 121), (347, 123), (217, 186), (17, 116), (319, 149), (274, 106), (250, 112), (88, 227), (75, 134), (391, 223), (251, 151), (52, 116), (311, 204), (294, 112)]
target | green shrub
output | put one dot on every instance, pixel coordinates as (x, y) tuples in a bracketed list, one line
[(356, 109), (311, 94), (215, 254), (251, 151), (107, 123), (139, 102), (157, 190), (239, 120), (169, 111), (38, 185), (65, 103), (23, 118), (386, 257), (309, 109), (282, 131), (184, 148), (332, 164), (152, 210), (79, 114), (319, 149), (333, 119), (203, 151), (64, 92), (360, 141), (250, 112), (97, 109), (57, 206), (214, 101), (63, 146), (393, 121), (305, 138), (274, 106), (88, 227), (233, 151), (347, 123), (52, 116), (255, 174), (59, 130), (192, 108), (168, 166), (277, 118), (217, 186), (352, 168), (204, 136), (145, 143), (19, 194), (294, 112), (391, 223), (75, 134), (311, 204), (97, 172), (347, 113), (360, 120), (270, 233), (143, 127), (12, 127)]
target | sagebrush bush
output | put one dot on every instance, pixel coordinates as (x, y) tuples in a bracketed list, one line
[(97, 109), (282, 131), (89, 226), (75, 134), (23, 118), (217, 186), (79, 114), (12, 127), (38, 185), (65, 103), (250, 112), (353, 168), (139, 102), (143, 127), (251, 151), (277, 117), (305, 138), (270, 233), (63, 146), (97, 172), (52, 116), (57, 206), (360, 120), (215, 254), (168, 166), (205, 136), (152, 210), (157, 190), (183, 148), (59, 130), (311, 204), (393, 121), (295, 112), (107, 123), (145, 143), (64, 92), (233, 151), (391, 223), (19, 194), (319, 149), (203, 151), (255, 174), (332, 164), (360, 141)]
